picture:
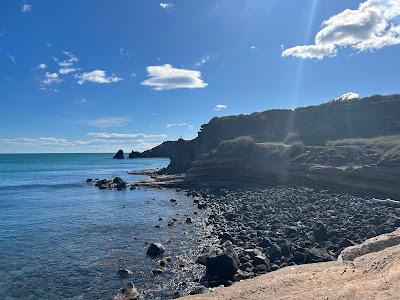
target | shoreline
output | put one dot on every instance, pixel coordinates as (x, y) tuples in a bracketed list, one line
[(272, 227)]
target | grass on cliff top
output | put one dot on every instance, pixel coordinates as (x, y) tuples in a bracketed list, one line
[(387, 146)]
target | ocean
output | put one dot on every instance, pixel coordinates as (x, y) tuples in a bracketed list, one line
[(61, 238)]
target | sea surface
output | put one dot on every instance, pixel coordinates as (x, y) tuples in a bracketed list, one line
[(61, 238)]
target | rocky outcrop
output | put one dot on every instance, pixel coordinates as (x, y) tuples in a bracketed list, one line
[(119, 155), (128, 292), (372, 274), (221, 263), (314, 125), (155, 249), (381, 178)]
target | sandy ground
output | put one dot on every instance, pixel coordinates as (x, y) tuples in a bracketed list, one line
[(370, 270)]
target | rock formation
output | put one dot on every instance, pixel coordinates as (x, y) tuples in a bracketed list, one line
[(119, 155)]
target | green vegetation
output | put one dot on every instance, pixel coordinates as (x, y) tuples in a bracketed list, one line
[(241, 145), (387, 147)]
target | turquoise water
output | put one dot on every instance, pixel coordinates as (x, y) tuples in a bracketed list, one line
[(61, 238)]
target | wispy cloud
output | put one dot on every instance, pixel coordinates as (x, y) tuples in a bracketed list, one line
[(71, 60), (106, 122), (26, 8), (97, 76), (165, 5), (167, 77), (124, 53), (50, 78), (107, 135), (41, 67), (12, 58), (180, 125), (203, 61), (64, 71), (80, 100), (373, 25), (99, 142), (220, 107)]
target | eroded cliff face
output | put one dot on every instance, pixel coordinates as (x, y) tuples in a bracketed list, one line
[(382, 179), (313, 125), (310, 161)]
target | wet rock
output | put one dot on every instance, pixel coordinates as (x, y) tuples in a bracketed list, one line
[(124, 273), (172, 200), (155, 249), (119, 155), (119, 183), (189, 221), (128, 292), (100, 183), (157, 271), (89, 180)]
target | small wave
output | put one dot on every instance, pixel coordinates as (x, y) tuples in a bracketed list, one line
[(41, 185)]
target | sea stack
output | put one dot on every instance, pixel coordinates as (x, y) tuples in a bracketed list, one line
[(134, 154), (119, 155)]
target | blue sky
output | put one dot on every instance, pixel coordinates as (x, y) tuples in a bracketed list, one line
[(96, 75)]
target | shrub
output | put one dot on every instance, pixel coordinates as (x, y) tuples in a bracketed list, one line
[(240, 145)]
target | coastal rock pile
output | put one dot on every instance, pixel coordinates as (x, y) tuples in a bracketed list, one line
[(270, 228), (103, 184)]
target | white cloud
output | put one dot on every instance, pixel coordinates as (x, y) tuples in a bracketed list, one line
[(107, 135), (107, 122), (41, 66), (26, 8), (220, 107), (346, 97), (12, 58), (203, 61), (180, 125), (124, 53), (98, 142), (97, 76), (373, 25), (167, 77), (48, 44), (80, 100), (50, 78), (311, 51), (166, 5), (72, 59), (65, 71)]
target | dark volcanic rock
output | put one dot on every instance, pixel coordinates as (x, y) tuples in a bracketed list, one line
[(124, 273), (316, 255), (155, 249), (220, 263), (119, 183), (128, 292), (134, 154), (320, 233), (119, 155)]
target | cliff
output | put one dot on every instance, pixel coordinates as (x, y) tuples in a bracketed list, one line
[(338, 143)]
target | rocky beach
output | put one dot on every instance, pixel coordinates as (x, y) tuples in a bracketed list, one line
[(254, 230)]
